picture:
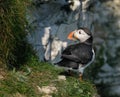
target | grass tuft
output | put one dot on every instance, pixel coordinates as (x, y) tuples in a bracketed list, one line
[(13, 46)]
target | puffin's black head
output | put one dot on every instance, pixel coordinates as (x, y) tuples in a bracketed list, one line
[(82, 34)]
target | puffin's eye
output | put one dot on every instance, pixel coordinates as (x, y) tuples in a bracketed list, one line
[(79, 32)]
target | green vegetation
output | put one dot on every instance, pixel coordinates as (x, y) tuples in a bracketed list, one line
[(26, 81), (13, 47)]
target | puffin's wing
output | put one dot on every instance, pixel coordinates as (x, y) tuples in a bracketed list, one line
[(71, 57), (68, 54)]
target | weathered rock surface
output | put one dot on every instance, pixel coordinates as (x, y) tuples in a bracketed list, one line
[(52, 22)]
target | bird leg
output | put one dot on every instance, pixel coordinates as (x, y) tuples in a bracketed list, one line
[(81, 69), (69, 72), (80, 76)]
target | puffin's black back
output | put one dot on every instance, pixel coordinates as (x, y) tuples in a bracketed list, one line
[(76, 54)]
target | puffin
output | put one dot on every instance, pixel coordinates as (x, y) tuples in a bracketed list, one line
[(76, 57)]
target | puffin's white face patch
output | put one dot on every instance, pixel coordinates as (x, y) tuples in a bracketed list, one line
[(81, 35)]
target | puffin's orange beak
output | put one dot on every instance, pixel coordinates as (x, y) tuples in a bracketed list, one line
[(70, 36)]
